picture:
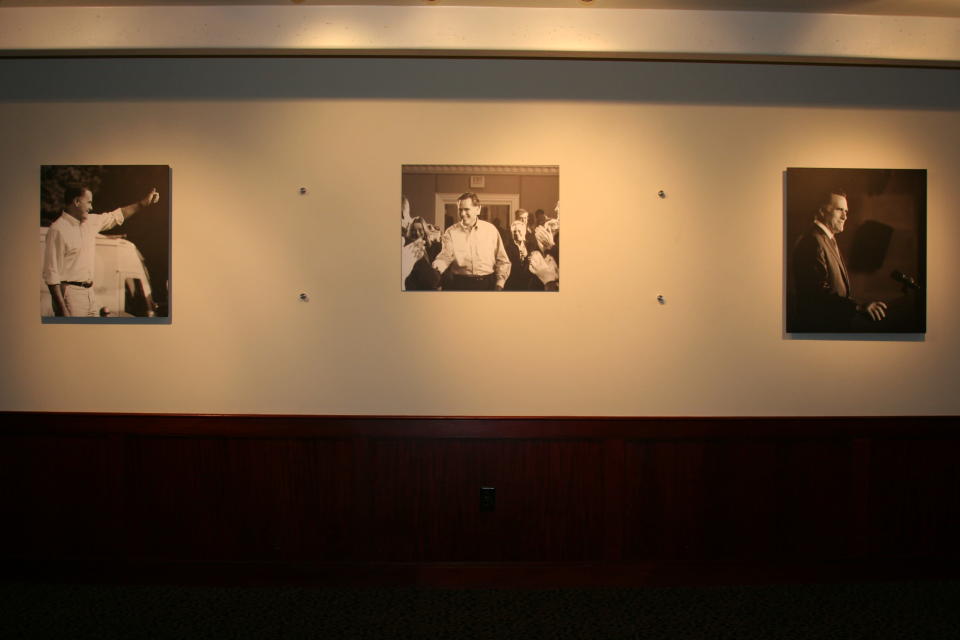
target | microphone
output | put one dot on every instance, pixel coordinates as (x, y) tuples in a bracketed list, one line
[(905, 280)]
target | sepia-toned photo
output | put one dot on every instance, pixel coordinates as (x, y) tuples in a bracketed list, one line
[(856, 250), (480, 228), (105, 243)]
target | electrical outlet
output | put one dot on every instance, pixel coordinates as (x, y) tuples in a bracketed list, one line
[(488, 498)]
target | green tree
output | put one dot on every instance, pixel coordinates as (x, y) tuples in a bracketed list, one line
[(53, 182)]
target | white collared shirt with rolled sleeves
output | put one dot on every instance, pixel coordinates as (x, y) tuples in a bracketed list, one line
[(71, 246), (476, 251)]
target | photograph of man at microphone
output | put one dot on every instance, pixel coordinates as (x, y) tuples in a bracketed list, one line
[(855, 250)]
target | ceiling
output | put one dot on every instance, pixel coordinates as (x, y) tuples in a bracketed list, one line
[(934, 8)]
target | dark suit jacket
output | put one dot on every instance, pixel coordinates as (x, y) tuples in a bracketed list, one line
[(822, 296), (520, 277)]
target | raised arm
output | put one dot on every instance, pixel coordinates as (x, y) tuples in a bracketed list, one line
[(152, 198)]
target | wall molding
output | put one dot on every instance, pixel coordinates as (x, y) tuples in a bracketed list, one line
[(509, 427), (444, 31)]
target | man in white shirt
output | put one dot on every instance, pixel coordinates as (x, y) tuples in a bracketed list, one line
[(473, 251), (70, 250)]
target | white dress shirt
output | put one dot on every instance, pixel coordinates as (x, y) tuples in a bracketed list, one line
[(473, 251), (71, 246)]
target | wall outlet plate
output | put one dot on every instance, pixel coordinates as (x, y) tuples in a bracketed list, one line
[(488, 498)]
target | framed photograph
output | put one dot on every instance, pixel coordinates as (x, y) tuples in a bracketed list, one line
[(855, 250), (105, 244), (480, 228)]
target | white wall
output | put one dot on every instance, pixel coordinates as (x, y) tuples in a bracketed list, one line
[(242, 135), (353, 27)]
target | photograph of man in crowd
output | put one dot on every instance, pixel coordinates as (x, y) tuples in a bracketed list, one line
[(104, 266), (856, 250), (468, 228)]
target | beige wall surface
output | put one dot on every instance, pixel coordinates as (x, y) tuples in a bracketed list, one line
[(243, 135), (224, 28)]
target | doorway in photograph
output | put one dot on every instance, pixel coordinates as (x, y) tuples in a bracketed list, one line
[(499, 209)]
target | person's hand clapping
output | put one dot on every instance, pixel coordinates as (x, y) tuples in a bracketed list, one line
[(544, 238), (409, 254), (545, 268)]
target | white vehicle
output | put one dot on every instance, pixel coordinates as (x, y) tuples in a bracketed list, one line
[(120, 282)]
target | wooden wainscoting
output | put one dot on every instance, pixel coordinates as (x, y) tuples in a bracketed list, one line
[(397, 499)]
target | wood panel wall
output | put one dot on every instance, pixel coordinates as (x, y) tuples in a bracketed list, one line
[(396, 500)]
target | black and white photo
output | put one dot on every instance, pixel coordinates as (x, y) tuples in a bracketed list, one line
[(105, 243), (480, 228), (855, 250)]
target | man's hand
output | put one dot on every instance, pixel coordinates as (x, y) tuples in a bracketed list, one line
[(152, 198), (57, 299), (876, 310)]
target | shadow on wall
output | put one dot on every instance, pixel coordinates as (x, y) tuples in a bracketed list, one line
[(497, 79)]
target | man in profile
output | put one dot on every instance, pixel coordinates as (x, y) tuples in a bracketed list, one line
[(70, 250), (824, 300), (472, 251)]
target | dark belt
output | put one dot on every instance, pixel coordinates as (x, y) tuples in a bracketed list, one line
[(469, 277), (85, 285), (471, 283)]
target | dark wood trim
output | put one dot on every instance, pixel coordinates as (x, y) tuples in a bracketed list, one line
[(613, 495), (303, 426), (581, 501)]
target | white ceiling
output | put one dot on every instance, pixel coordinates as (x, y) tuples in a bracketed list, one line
[(935, 8)]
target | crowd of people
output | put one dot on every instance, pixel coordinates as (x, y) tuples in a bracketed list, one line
[(474, 255)]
